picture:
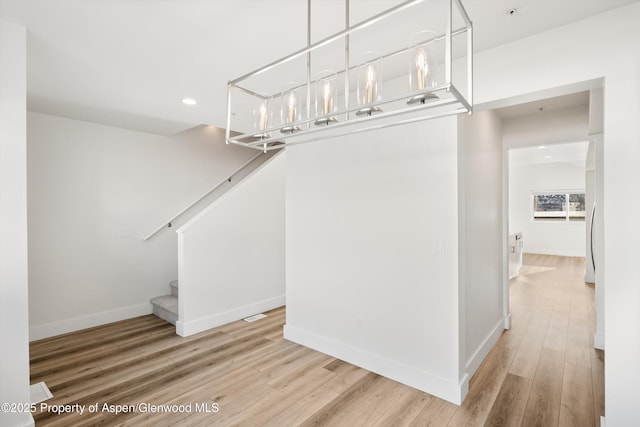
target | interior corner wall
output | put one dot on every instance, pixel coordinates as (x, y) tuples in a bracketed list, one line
[(232, 254), (14, 308), (94, 192), (602, 46), (372, 252), (482, 241)]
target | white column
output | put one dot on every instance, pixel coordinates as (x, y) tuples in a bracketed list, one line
[(14, 305)]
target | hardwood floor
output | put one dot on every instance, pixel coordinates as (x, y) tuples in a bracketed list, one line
[(542, 372)]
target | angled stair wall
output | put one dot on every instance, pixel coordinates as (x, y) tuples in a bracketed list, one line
[(166, 306), (215, 193), (231, 255)]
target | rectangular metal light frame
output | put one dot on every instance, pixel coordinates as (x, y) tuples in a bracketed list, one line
[(456, 104)]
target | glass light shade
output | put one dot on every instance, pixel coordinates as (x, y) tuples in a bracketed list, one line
[(422, 66), (262, 116), (369, 83), (326, 96), (290, 107)]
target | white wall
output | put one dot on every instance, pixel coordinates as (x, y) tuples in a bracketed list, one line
[(595, 162), (589, 184), (231, 255), (544, 237), (602, 46), (598, 232), (94, 191), (548, 127), (481, 237), (14, 333), (372, 252)]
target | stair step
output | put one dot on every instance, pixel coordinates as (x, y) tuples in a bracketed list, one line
[(166, 308), (174, 288)]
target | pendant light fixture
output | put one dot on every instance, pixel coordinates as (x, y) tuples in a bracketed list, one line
[(369, 83), (427, 43), (290, 110), (423, 67), (326, 93)]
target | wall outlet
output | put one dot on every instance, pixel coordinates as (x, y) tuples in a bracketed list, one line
[(359, 324), (441, 247)]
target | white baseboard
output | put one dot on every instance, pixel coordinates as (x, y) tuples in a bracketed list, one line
[(473, 362), (598, 341), (507, 321), (602, 422), (184, 329), (31, 422), (15, 419), (47, 330), (452, 391)]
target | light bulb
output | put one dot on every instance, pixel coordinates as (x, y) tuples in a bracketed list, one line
[(291, 101), (370, 82), (262, 123), (326, 96), (422, 69)]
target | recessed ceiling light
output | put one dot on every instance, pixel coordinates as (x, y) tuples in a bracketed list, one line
[(547, 157), (189, 101), (541, 147)]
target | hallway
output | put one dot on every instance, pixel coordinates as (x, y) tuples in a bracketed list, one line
[(544, 370)]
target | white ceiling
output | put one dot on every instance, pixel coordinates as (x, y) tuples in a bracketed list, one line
[(549, 104), (572, 154), (128, 63)]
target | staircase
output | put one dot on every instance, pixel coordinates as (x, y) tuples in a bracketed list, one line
[(166, 306)]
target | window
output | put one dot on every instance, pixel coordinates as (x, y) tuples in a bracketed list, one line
[(576, 207), (558, 206)]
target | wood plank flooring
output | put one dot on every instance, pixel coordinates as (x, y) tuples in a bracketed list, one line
[(542, 372)]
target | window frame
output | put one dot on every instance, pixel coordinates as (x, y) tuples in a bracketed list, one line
[(566, 212)]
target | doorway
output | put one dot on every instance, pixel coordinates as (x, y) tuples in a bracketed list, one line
[(566, 115)]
